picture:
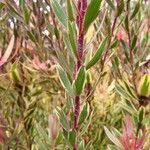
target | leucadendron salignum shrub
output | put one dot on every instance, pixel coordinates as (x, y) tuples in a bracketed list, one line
[(72, 72)]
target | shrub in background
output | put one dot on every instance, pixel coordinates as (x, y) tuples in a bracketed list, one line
[(99, 51)]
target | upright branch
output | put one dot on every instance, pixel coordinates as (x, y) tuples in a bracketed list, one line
[(82, 6), (130, 44)]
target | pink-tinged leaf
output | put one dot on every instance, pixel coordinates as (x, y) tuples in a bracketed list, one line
[(53, 126), (16, 48), (36, 60), (2, 136), (140, 142), (38, 65), (0, 53), (8, 51), (128, 127), (122, 35), (128, 139)]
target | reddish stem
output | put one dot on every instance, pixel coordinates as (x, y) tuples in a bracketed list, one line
[(76, 112), (82, 6)]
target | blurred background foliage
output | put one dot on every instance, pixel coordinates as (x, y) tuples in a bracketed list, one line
[(30, 89)]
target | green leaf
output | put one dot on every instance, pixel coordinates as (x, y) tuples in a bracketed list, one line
[(65, 81), (15, 73), (59, 12), (32, 37), (115, 62), (21, 3), (126, 22), (81, 145), (130, 90), (63, 120), (136, 9), (115, 44), (110, 3), (59, 138), (66, 137), (26, 15), (69, 46), (87, 124), (112, 138), (42, 133), (141, 114), (84, 113), (128, 107), (145, 86), (120, 8), (97, 55), (122, 91), (112, 147), (56, 32), (91, 13), (2, 5), (63, 62), (72, 137), (13, 12), (40, 144), (88, 56), (72, 38), (49, 26), (80, 80), (70, 10), (133, 44)]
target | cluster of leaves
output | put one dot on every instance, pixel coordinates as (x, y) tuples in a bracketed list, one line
[(45, 83)]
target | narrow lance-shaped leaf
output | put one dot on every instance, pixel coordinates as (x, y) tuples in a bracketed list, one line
[(42, 133), (2, 5), (110, 3), (68, 46), (65, 81), (137, 7), (145, 85), (26, 15), (72, 38), (59, 13), (120, 8), (79, 82), (112, 147), (141, 114), (13, 11), (81, 145), (91, 13), (97, 55), (72, 137), (112, 138), (134, 40), (32, 36), (122, 91), (70, 10), (15, 73), (84, 114), (63, 120), (8, 51)]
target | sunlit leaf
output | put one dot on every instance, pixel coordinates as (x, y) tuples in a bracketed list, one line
[(65, 80), (97, 55), (91, 13)]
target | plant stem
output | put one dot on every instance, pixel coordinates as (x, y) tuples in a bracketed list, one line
[(76, 112), (82, 6), (130, 48)]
